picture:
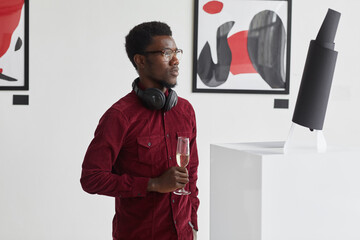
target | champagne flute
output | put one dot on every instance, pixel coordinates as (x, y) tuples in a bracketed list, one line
[(182, 159)]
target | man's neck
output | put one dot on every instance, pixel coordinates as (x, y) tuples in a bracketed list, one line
[(145, 83)]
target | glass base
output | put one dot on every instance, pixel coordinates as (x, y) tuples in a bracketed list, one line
[(181, 191)]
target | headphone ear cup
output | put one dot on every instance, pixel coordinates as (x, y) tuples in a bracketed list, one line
[(171, 100), (153, 98)]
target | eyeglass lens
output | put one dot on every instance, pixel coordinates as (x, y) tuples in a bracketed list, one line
[(169, 54)]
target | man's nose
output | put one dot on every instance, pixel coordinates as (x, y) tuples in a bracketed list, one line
[(174, 60)]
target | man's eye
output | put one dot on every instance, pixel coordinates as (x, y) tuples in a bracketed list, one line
[(167, 53)]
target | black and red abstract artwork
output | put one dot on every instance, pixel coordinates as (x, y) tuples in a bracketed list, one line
[(242, 46), (14, 45)]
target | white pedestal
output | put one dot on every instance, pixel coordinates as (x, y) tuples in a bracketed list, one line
[(259, 193)]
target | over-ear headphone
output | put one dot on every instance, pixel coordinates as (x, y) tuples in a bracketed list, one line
[(154, 98)]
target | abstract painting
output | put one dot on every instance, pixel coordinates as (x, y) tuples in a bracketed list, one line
[(14, 44), (242, 46)]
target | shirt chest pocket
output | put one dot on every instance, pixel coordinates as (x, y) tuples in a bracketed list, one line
[(149, 150)]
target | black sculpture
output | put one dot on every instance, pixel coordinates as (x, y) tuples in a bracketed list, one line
[(312, 100)]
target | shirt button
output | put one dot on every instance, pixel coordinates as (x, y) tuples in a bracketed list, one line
[(173, 201), (175, 222), (167, 135), (149, 144), (170, 158)]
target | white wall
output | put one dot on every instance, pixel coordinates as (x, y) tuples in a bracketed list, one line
[(78, 68)]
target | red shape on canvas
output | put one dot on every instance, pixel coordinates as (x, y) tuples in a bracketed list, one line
[(10, 13), (213, 7), (240, 62)]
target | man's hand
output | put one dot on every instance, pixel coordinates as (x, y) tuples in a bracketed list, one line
[(172, 179)]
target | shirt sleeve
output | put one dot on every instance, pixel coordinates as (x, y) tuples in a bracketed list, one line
[(97, 176), (193, 176)]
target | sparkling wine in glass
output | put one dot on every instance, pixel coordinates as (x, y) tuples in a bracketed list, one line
[(182, 159)]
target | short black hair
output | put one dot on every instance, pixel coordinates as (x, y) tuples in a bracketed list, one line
[(142, 35)]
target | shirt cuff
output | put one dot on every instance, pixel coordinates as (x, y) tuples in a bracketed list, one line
[(140, 185), (138, 188), (194, 223)]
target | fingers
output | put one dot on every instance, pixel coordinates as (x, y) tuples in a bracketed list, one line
[(172, 179), (182, 169), (183, 179), (181, 175)]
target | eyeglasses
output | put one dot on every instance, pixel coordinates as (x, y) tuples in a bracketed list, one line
[(168, 53)]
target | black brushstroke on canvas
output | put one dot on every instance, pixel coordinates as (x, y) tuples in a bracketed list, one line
[(18, 44), (212, 74), (266, 47), (7, 78)]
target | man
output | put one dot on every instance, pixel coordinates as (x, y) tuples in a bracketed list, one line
[(133, 154)]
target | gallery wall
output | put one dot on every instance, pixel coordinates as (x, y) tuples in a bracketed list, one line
[(78, 68)]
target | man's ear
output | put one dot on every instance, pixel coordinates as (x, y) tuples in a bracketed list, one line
[(139, 60)]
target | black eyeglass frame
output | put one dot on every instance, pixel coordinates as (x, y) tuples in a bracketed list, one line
[(173, 52)]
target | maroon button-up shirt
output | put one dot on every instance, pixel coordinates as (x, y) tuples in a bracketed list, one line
[(131, 145)]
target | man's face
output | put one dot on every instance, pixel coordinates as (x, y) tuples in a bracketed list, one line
[(157, 69)]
